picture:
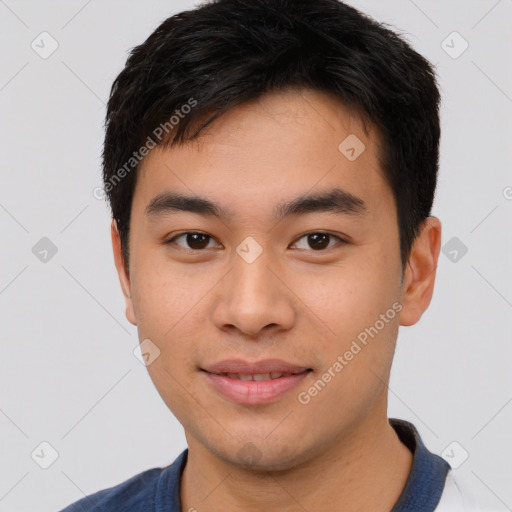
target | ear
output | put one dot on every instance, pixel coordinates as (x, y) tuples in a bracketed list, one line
[(122, 272), (420, 272)]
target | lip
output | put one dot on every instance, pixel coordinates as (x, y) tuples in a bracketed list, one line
[(250, 368), (254, 392)]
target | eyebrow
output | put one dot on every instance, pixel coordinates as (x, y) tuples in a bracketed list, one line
[(335, 200)]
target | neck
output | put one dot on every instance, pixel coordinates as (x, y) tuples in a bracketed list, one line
[(366, 470)]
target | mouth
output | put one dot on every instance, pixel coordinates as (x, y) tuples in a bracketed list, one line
[(254, 384), (263, 367), (260, 376)]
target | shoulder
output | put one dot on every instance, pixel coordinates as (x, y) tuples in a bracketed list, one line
[(126, 496), (149, 491), (457, 497)]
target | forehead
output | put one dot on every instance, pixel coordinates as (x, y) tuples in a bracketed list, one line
[(280, 146)]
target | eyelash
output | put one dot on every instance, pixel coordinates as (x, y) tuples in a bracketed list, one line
[(172, 240)]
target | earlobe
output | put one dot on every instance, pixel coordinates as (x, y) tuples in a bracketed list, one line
[(420, 272), (122, 273)]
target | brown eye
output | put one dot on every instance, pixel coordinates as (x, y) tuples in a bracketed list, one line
[(194, 241), (318, 241)]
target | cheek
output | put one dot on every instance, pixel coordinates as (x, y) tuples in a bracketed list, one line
[(161, 298), (359, 306), (165, 316), (346, 300), (166, 310)]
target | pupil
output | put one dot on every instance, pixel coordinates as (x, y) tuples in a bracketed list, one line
[(318, 240), (192, 240)]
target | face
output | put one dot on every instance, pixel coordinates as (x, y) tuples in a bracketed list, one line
[(251, 281)]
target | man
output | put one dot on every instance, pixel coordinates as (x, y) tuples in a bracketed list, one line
[(271, 167)]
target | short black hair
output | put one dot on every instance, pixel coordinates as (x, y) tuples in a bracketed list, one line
[(200, 63)]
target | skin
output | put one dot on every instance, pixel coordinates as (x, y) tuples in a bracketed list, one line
[(294, 302)]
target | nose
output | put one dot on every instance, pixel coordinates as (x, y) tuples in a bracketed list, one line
[(253, 300)]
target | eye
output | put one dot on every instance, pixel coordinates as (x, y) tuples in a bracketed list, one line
[(319, 241), (195, 241)]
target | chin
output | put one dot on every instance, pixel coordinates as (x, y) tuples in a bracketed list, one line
[(260, 454)]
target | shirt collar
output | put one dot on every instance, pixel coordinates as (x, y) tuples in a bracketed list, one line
[(422, 490), (426, 481)]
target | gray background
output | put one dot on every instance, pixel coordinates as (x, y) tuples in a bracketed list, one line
[(68, 374)]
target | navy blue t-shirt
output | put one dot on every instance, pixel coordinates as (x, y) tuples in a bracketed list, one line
[(158, 489)]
